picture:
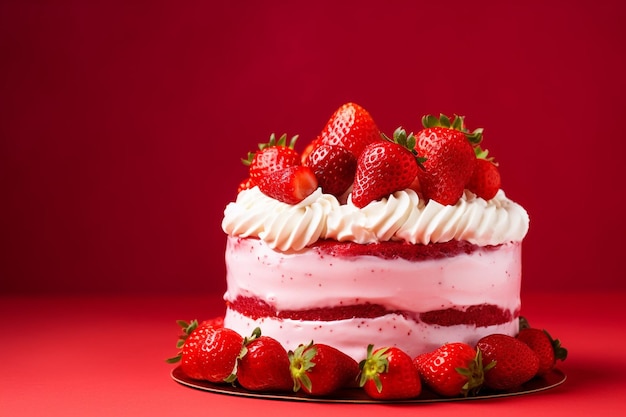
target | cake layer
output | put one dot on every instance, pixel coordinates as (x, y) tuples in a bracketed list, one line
[(411, 302), (477, 315), (352, 336), (313, 279)]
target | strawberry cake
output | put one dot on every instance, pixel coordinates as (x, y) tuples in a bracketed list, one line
[(364, 239)]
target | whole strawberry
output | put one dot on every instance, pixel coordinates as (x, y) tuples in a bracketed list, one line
[(389, 374), (485, 180), (290, 185), (515, 362), (208, 351), (449, 158), (451, 370), (547, 349), (263, 365), (319, 369), (384, 167), (351, 127), (334, 166), (272, 156)]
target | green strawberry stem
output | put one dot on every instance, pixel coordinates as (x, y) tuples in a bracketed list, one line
[(523, 323), (376, 363), (256, 333), (458, 123), (560, 353), (406, 141), (475, 374), (187, 329), (301, 362), (282, 141)]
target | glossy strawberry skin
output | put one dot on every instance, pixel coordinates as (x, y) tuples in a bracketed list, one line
[(210, 353), (383, 168), (290, 185), (334, 166), (352, 127), (245, 185), (400, 379), (449, 164), (327, 371), (515, 362), (440, 369), (485, 180), (540, 342), (272, 159), (264, 366)]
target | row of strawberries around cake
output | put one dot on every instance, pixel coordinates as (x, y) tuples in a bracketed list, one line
[(208, 351)]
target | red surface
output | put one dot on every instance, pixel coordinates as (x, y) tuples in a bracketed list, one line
[(104, 356), (122, 123), (121, 129)]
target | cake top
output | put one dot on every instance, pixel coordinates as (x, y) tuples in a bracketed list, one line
[(354, 183)]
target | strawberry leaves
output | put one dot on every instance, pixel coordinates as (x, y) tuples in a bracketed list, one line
[(457, 123)]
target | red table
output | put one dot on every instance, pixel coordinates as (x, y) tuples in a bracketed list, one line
[(104, 356)]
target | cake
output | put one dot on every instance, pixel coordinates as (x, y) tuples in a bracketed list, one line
[(401, 259)]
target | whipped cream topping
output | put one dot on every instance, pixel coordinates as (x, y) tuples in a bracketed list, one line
[(403, 216)]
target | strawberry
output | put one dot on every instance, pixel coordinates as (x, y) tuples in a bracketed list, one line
[(451, 370), (389, 374), (208, 351), (290, 185), (319, 369), (262, 365), (272, 156), (304, 155), (415, 185), (547, 349), (334, 166), (515, 363), (352, 127), (384, 167), (420, 359), (449, 158), (485, 180), (245, 185)]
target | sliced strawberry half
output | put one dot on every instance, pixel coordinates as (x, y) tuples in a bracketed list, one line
[(290, 185)]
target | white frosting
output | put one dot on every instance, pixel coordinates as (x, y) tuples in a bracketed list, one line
[(401, 216)]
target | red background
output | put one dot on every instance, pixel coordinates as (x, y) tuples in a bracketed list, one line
[(122, 123), (121, 128)]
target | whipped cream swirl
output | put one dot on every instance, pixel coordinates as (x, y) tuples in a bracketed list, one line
[(403, 216)]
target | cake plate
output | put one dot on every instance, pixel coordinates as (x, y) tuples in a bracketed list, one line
[(538, 384)]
